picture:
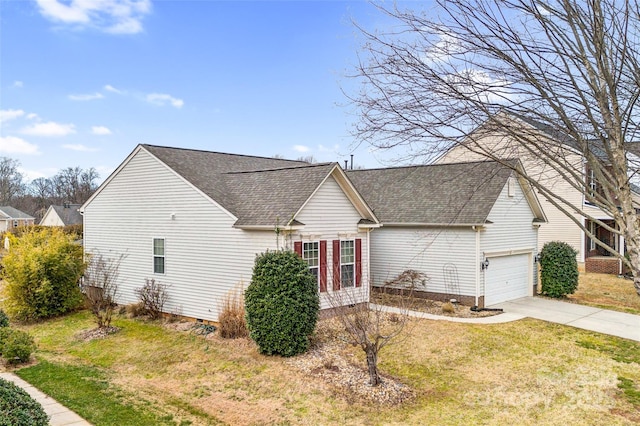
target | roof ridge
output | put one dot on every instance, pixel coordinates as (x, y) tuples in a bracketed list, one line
[(219, 152), (301, 166), (416, 166)]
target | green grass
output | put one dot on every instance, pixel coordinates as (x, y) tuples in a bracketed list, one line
[(620, 350), (630, 390), (86, 390)]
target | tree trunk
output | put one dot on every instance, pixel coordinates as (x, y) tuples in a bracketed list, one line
[(372, 364)]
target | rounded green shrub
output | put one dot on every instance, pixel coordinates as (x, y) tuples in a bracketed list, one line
[(41, 273), (281, 303), (16, 346), (17, 408), (559, 269), (4, 319)]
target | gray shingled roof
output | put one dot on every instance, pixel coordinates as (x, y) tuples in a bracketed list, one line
[(257, 190), (7, 212), (274, 196), (440, 194), (69, 215)]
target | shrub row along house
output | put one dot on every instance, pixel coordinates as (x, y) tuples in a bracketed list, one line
[(195, 220)]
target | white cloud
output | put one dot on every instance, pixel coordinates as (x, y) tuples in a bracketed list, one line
[(110, 88), (478, 84), (10, 114), (334, 148), (17, 84), (100, 130), (15, 145), (162, 99), (32, 116), (301, 148), (79, 147), (111, 16), (86, 97), (49, 128)]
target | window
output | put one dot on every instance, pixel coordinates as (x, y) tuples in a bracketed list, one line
[(15, 223), (347, 263), (158, 255), (311, 254)]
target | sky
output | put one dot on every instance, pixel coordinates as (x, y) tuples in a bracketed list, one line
[(83, 82)]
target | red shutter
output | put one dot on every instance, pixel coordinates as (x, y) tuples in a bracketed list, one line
[(336, 264), (297, 247), (323, 265), (358, 262)]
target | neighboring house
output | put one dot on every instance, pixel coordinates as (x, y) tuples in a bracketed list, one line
[(559, 227), (195, 221), (13, 218), (471, 228), (64, 215)]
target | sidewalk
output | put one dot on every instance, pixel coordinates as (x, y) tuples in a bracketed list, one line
[(59, 415)]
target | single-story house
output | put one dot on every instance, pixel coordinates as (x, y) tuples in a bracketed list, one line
[(470, 228), (13, 218), (195, 221), (64, 215)]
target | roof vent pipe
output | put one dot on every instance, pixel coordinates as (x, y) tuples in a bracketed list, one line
[(351, 161), (345, 164)]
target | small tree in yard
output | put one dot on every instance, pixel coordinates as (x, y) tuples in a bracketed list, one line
[(41, 273), (281, 303), (101, 287), (559, 269), (367, 326)]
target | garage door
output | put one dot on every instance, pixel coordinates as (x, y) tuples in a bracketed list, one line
[(506, 278)]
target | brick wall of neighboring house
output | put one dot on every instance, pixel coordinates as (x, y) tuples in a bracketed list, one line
[(603, 265)]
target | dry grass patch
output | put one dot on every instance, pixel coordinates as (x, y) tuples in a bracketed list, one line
[(606, 291)]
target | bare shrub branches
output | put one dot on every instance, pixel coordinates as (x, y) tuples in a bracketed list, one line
[(100, 287), (153, 296)]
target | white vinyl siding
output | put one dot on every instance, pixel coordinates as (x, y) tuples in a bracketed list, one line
[(205, 256), (209, 257), (329, 215), (445, 255)]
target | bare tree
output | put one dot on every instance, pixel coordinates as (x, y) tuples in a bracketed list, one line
[(11, 180), (368, 326), (100, 286), (451, 76)]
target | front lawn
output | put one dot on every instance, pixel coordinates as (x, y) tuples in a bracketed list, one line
[(525, 372), (608, 292)]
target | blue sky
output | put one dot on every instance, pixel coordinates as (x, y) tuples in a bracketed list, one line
[(82, 82)]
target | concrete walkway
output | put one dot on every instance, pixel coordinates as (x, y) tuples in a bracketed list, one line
[(603, 321), (614, 323), (59, 415)]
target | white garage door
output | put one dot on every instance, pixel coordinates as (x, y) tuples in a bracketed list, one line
[(506, 278)]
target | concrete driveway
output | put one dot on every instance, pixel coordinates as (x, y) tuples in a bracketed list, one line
[(601, 320)]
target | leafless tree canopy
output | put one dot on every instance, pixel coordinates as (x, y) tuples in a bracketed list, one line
[(71, 185), (451, 74)]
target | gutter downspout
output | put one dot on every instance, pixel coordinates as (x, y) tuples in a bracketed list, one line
[(369, 283), (477, 264)]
